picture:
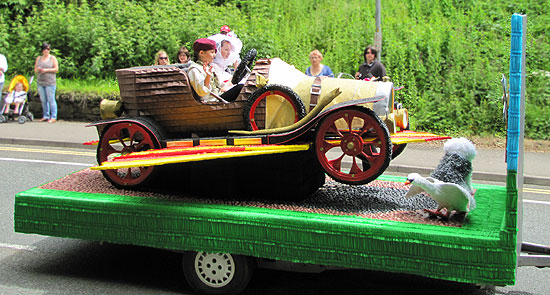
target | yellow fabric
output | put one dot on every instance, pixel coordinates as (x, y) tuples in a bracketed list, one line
[(250, 151), (17, 79), (411, 136), (316, 110), (209, 142), (279, 113), (261, 81), (406, 140)]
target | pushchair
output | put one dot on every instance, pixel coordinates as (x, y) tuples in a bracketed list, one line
[(17, 96)]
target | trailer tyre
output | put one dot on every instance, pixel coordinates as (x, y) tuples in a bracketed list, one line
[(217, 273)]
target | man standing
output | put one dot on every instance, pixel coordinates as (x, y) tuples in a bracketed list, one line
[(371, 69), (3, 69)]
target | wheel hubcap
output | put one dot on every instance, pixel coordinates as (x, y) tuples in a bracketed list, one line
[(352, 144), (215, 269)]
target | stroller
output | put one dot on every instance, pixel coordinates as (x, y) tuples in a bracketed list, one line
[(17, 96)]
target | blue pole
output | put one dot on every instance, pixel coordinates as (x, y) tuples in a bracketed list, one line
[(516, 125)]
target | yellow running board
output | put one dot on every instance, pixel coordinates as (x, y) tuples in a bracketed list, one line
[(160, 157)]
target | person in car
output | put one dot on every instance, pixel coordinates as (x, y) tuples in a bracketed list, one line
[(202, 74), (226, 59)]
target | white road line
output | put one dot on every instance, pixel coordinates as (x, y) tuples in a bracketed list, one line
[(44, 151), (45, 162), (536, 202), (17, 247)]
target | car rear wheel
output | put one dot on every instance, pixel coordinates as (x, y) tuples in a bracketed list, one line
[(123, 138), (286, 102)]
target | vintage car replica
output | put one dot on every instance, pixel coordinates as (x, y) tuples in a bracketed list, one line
[(224, 239), (341, 120)]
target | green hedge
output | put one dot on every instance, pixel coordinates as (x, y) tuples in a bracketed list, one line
[(449, 54)]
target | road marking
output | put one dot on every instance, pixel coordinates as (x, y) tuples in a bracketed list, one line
[(46, 162), (42, 151), (20, 290), (536, 202), (536, 191), (17, 247)]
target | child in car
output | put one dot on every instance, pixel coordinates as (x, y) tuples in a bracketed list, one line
[(204, 75)]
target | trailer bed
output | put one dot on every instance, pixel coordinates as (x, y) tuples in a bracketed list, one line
[(480, 251)]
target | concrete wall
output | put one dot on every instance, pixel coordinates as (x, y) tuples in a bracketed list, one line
[(71, 106)]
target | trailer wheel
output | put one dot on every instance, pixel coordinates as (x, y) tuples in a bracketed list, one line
[(217, 273), (254, 112), (124, 138), (356, 135)]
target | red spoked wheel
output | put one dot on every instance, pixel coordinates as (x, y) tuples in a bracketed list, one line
[(121, 139), (254, 112), (353, 145)]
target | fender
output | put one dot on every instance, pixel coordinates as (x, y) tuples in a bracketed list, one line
[(281, 138), (156, 131)]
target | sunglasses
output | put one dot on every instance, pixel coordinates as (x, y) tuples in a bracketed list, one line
[(163, 57)]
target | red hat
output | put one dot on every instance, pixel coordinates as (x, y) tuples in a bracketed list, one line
[(204, 44), (225, 29)]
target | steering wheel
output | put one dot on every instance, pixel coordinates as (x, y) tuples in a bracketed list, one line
[(243, 67)]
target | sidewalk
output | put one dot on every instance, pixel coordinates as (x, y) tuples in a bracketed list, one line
[(488, 165)]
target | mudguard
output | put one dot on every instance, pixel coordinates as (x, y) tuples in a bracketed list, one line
[(281, 138), (156, 131)]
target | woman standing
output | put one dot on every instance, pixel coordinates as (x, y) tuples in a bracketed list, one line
[(45, 67), (318, 69), (161, 58)]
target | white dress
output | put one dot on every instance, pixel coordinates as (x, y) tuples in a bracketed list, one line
[(16, 97)]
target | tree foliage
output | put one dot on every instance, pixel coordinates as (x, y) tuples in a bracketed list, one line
[(449, 54)]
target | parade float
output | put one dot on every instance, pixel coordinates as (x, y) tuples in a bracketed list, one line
[(216, 203)]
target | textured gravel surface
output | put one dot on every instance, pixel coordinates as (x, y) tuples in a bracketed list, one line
[(377, 200)]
